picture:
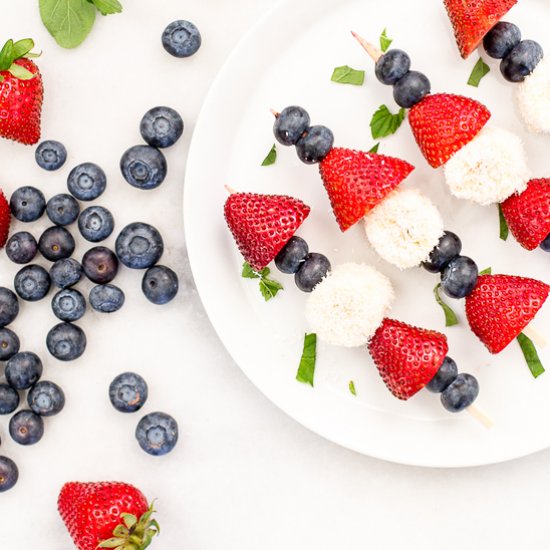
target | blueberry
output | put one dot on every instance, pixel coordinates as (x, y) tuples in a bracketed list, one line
[(9, 306), (181, 38), (62, 209), (68, 305), (9, 344), (521, 61), (449, 247), (160, 284), (50, 155), (461, 393), (459, 278), (26, 427), (9, 399), (87, 181), (143, 166), (9, 474), (32, 283), (66, 341), (292, 255), (161, 127), (66, 272), (46, 398), (128, 392), (312, 272), (23, 370), (392, 66), (139, 246), (27, 204), (545, 245), (411, 89), (21, 247), (96, 223), (445, 375), (290, 124), (157, 433), (106, 298), (501, 39), (314, 146), (100, 264), (56, 243)]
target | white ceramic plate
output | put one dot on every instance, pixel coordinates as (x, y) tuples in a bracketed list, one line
[(288, 59)]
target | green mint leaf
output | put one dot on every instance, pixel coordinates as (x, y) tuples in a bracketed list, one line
[(450, 316), (306, 370), (384, 123), (22, 47), (347, 75), (269, 288), (107, 7), (68, 21), (20, 72), (374, 148), (385, 42), (248, 272), (352, 388), (271, 157), (6, 55), (531, 355), (504, 229), (487, 271), (478, 72)]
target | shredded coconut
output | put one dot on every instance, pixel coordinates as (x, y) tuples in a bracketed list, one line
[(533, 98)]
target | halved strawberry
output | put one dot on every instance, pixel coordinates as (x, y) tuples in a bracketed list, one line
[(444, 123), (407, 357), (501, 306), (356, 181), (5, 219), (473, 19), (263, 224), (528, 214)]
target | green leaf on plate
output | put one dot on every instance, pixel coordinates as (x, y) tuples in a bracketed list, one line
[(450, 316), (478, 72), (271, 157), (374, 148), (107, 7), (384, 123), (504, 229), (347, 75), (531, 355), (306, 370), (268, 287), (352, 388), (385, 42), (487, 271)]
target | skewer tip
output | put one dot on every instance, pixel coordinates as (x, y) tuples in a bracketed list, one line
[(274, 113), (371, 49), (229, 189), (480, 416)]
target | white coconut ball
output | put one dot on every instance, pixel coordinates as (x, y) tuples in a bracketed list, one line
[(404, 228), (533, 98), (347, 307), (489, 169)]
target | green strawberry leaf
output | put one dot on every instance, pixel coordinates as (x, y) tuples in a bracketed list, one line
[(352, 388), (268, 287), (271, 157), (347, 75), (479, 71), (504, 229), (121, 531), (129, 520), (374, 148), (22, 47), (107, 7), (112, 543), (384, 123), (450, 316), (486, 271), (6, 55), (20, 72), (531, 355), (385, 42), (306, 370), (248, 272)]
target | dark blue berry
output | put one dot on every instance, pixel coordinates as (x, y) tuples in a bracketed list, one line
[(50, 155), (46, 398), (62, 209), (23, 370), (139, 246), (9, 306), (128, 392), (392, 66), (9, 474), (96, 223), (292, 255), (459, 277), (27, 204), (157, 433), (312, 272), (545, 245), (521, 61), (445, 375), (66, 272), (461, 393), (161, 127), (68, 305), (21, 247), (106, 298), (66, 341), (411, 89), (9, 344), (32, 283), (501, 39), (290, 124), (181, 38), (449, 247), (100, 264), (143, 166), (160, 284), (26, 427), (56, 243), (87, 181), (314, 146), (9, 399)]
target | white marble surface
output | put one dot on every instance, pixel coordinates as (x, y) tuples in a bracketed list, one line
[(244, 475)]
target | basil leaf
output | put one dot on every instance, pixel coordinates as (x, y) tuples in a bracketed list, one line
[(478, 72), (374, 148), (306, 370), (450, 316), (531, 355), (271, 157), (385, 42), (487, 271), (352, 388), (384, 123), (504, 229), (347, 75), (107, 7)]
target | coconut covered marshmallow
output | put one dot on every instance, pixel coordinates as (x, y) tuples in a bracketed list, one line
[(347, 307), (489, 169), (533, 98), (404, 228)]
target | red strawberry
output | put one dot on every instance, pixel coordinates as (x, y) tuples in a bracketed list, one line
[(356, 182), (5, 219), (501, 306), (263, 224), (97, 512), (444, 123), (473, 19), (528, 214), (407, 357)]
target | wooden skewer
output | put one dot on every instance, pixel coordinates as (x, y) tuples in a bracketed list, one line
[(372, 50), (480, 416), (274, 113), (534, 334), (229, 189)]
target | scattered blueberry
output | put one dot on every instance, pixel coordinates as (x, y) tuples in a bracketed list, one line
[(9, 474), (143, 166), (46, 398), (9, 344), (445, 375), (157, 433), (181, 38), (139, 246), (314, 146), (21, 247), (521, 61), (449, 247), (66, 341), (292, 255), (461, 393), (27, 204), (56, 243), (9, 306), (96, 223), (23, 370), (32, 283), (290, 124), (26, 427), (501, 39), (68, 305), (161, 127), (545, 245), (411, 89), (160, 284), (9, 399), (128, 392), (459, 277), (100, 264), (62, 209), (50, 155), (87, 181), (312, 272), (106, 298), (66, 272), (392, 66)]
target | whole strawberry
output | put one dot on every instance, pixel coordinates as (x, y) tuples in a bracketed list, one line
[(21, 93), (5, 219), (106, 515)]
